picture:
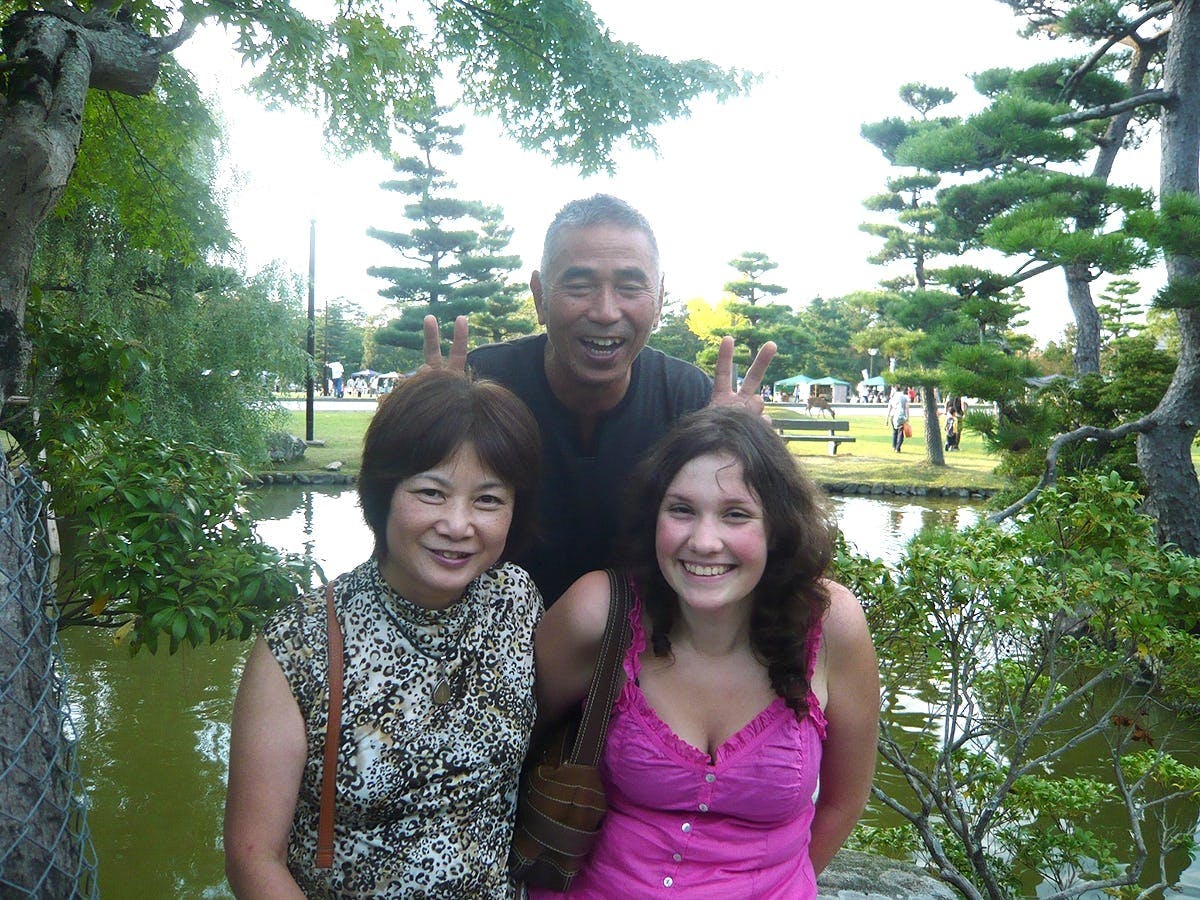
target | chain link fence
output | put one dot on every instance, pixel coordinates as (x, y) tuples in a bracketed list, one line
[(45, 847)]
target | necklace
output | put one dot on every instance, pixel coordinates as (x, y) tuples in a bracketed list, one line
[(441, 693)]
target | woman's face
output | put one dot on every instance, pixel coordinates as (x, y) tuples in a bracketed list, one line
[(711, 537), (446, 526)]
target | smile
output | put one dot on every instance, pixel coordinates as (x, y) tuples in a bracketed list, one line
[(453, 555), (706, 571), (602, 345)]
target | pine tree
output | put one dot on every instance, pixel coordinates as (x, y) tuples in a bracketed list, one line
[(455, 246), (756, 319)]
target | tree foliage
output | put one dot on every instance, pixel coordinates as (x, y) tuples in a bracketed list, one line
[(1030, 649)]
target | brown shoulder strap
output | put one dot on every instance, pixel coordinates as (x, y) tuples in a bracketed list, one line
[(332, 730), (589, 741)]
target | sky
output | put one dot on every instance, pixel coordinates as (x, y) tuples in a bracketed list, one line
[(782, 170)]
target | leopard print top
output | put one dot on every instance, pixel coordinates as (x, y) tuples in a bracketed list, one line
[(426, 793)]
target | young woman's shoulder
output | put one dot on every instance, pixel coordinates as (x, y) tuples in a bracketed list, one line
[(844, 622)]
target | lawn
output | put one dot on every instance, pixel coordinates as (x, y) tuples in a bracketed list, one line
[(870, 459)]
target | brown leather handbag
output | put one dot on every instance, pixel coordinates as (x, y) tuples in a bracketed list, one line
[(561, 803)]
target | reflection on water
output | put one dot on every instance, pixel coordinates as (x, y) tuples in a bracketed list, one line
[(155, 732)]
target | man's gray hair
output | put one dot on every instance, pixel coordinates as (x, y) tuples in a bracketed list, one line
[(599, 209)]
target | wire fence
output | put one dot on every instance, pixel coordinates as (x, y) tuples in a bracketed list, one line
[(45, 847)]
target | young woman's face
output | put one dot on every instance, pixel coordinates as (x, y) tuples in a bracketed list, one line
[(446, 526), (711, 538)]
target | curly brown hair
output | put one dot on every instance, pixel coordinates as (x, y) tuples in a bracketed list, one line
[(791, 597)]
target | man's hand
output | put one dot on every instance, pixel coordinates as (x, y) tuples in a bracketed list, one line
[(748, 395), (458, 347)]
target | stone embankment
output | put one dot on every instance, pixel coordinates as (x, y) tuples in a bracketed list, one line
[(836, 487), (861, 876)]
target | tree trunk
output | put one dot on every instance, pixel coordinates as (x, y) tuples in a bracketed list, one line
[(1087, 319), (933, 428), (1079, 280), (57, 57), (1164, 454)]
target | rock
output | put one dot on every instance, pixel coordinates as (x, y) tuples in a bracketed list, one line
[(283, 447), (334, 466), (862, 876)]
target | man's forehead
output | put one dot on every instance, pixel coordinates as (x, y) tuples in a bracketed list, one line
[(602, 247)]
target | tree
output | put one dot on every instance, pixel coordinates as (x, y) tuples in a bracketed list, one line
[(756, 320), (953, 321), (340, 330), (1120, 309), (674, 336), (556, 78), (454, 269), (1067, 632), (1166, 435)]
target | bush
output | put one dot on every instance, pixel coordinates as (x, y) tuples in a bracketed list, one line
[(1068, 633)]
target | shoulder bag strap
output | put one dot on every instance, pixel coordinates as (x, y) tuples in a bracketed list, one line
[(332, 730), (589, 741)]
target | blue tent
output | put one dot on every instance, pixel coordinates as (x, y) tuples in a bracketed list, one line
[(874, 381)]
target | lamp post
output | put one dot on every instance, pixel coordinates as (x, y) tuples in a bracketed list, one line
[(871, 351)]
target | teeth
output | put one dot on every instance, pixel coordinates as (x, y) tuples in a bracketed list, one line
[(604, 343), (453, 554), (694, 569)]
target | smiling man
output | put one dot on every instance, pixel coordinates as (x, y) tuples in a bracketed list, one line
[(601, 397)]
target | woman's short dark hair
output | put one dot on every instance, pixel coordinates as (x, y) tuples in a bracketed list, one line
[(424, 421), (791, 597)]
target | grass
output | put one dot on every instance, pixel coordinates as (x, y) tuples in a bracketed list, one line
[(870, 459)]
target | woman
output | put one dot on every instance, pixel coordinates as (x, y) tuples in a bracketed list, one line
[(749, 673), (954, 418), (897, 415), (438, 699)]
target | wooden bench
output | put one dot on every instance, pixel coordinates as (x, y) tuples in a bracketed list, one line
[(803, 430)]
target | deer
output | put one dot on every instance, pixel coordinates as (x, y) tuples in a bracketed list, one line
[(819, 403)]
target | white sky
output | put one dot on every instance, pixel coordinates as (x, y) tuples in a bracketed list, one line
[(782, 170)]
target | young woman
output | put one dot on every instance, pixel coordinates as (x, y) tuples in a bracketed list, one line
[(750, 682), (438, 698)]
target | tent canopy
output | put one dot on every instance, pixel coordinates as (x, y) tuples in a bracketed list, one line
[(829, 379), (793, 381), (365, 373), (874, 381)]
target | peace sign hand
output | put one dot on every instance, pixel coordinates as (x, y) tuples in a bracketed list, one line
[(748, 395), (457, 361)]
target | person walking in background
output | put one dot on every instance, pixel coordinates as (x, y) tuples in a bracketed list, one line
[(897, 417), (954, 419), (438, 670), (748, 675)]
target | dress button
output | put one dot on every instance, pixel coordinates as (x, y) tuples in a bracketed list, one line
[(687, 826), (703, 807), (710, 777), (668, 881), (678, 857)]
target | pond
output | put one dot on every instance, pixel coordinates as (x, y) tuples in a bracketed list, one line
[(155, 730)]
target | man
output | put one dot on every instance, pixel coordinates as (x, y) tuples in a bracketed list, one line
[(600, 395)]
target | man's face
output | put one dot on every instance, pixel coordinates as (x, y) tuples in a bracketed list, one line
[(599, 299)]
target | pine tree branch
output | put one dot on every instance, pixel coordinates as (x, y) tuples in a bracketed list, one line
[(1129, 32), (1050, 475), (1146, 98)]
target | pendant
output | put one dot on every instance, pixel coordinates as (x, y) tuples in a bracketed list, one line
[(441, 692)]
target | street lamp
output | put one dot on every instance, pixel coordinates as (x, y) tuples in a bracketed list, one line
[(871, 365)]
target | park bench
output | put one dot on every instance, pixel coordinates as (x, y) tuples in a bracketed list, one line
[(814, 430)]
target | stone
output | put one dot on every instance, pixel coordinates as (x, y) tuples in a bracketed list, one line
[(283, 447), (334, 466), (852, 875)]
